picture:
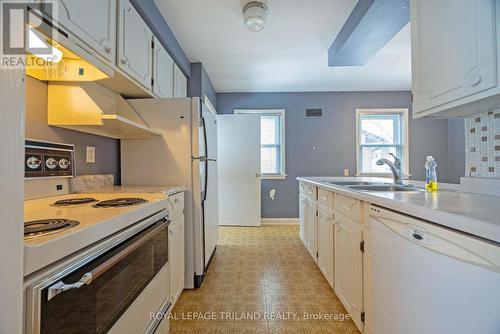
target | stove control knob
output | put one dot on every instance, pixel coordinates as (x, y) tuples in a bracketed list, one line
[(64, 163), (51, 163), (33, 162)]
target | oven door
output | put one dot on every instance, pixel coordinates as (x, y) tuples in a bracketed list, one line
[(92, 298)]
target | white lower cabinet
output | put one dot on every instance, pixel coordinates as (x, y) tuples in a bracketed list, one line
[(334, 231), (349, 266), (302, 217), (326, 220), (176, 257), (311, 228)]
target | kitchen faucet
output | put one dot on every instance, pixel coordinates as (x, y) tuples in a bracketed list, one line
[(395, 168)]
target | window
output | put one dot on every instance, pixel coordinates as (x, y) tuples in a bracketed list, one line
[(272, 142), (378, 133)]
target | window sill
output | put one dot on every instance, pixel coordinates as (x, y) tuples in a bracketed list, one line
[(273, 177)]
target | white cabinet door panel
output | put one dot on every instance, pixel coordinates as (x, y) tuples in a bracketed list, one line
[(349, 266), (302, 217), (453, 50), (311, 226), (163, 72), (176, 257), (92, 21), (135, 53), (326, 243), (180, 83)]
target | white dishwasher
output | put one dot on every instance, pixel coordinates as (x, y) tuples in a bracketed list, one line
[(430, 279)]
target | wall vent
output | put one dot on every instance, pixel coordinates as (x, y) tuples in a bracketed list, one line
[(314, 113)]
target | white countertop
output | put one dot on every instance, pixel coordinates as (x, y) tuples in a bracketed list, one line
[(95, 223), (474, 214)]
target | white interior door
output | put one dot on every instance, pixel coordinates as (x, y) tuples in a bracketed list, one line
[(239, 169)]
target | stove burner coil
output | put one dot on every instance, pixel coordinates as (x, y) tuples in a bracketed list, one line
[(38, 228), (74, 201), (120, 202)]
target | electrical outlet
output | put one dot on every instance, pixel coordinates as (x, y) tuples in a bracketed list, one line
[(90, 154), (346, 172)]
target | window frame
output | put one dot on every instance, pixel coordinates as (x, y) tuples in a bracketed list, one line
[(271, 112), (404, 137)]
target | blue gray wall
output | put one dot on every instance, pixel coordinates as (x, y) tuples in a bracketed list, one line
[(334, 138), (153, 17), (199, 83), (107, 150)]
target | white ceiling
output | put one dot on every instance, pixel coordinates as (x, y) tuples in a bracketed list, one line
[(290, 54)]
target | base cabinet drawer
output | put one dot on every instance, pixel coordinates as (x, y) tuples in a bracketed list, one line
[(348, 206), (311, 191), (326, 198)]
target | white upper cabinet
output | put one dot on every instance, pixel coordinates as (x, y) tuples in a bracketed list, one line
[(93, 22), (455, 57), (163, 72), (135, 40), (180, 83)]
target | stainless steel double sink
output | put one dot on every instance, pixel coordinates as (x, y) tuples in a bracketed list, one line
[(374, 186)]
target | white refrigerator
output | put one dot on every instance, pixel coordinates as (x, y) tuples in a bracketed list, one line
[(185, 154)]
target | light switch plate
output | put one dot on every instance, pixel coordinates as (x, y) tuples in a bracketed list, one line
[(90, 154), (346, 172)]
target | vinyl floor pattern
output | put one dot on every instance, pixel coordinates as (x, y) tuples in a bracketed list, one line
[(261, 280)]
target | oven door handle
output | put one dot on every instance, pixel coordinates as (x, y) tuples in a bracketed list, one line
[(92, 275)]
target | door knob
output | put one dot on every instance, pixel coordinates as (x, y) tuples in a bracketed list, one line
[(258, 175)]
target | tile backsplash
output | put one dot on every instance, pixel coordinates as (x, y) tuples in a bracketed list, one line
[(482, 145)]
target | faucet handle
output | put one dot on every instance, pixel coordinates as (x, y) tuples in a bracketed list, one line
[(397, 162)]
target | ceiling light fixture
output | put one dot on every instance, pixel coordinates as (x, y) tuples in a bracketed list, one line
[(255, 15)]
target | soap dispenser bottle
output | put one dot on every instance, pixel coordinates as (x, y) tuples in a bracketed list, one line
[(430, 174)]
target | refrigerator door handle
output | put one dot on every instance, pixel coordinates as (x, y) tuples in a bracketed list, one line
[(205, 158)]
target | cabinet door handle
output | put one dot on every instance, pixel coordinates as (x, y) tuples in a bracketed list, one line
[(348, 208), (475, 80)]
